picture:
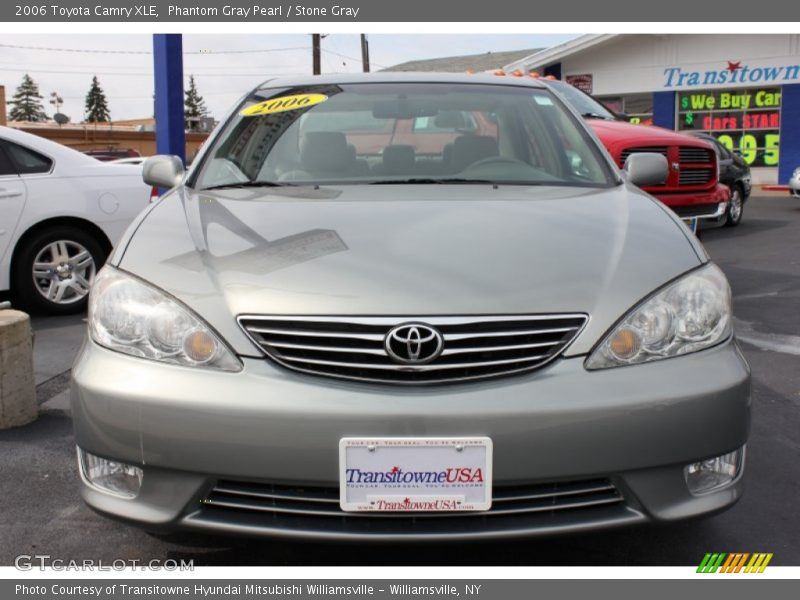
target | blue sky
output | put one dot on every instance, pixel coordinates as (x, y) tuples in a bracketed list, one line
[(224, 65)]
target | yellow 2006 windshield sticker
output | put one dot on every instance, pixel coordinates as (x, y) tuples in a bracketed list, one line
[(284, 103)]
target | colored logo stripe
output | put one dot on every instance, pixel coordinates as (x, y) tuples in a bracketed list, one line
[(734, 562), (711, 562), (758, 563)]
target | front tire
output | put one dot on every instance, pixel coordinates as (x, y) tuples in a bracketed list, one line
[(54, 269), (735, 207)]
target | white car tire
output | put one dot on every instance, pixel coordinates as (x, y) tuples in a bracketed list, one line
[(54, 268)]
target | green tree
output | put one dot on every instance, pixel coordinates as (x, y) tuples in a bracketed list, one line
[(26, 104), (193, 105), (96, 108)]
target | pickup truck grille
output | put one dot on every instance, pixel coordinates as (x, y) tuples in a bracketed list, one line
[(628, 151), (695, 176), (472, 348), (696, 166), (688, 154)]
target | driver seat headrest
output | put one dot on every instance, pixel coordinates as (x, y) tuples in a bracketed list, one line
[(469, 149)]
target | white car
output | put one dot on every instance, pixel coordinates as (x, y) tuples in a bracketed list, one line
[(794, 183), (134, 160), (61, 212)]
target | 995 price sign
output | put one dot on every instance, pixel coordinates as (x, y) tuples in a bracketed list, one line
[(758, 149)]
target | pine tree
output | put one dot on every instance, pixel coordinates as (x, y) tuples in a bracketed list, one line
[(194, 105), (96, 107), (26, 103)]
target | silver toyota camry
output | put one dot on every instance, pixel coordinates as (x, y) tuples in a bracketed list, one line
[(404, 307)]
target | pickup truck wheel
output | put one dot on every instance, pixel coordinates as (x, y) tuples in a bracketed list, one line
[(54, 269), (735, 207)]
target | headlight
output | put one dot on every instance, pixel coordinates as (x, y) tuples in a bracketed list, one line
[(129, 316), (688, 315)]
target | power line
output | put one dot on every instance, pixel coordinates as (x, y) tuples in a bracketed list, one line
[(147, 52), (48, 49), (253, 51), (193, 53), (358, 60), (265, 73)]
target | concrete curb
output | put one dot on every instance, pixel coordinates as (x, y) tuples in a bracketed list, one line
[(770, 191), (17, 391)]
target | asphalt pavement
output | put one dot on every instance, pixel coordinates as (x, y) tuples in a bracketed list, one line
[(43, 514)]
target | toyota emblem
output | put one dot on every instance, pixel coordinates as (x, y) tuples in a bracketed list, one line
[(413, 343)]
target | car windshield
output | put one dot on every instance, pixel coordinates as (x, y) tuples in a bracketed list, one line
[(396, 133), (582, 102)]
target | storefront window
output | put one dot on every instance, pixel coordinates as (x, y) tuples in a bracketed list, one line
[(637, 107), (746, 121)]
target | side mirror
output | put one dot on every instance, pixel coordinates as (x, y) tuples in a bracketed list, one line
[(163, 171), (646, 168)]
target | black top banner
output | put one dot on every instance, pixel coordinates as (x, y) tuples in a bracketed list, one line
[(464, 11)]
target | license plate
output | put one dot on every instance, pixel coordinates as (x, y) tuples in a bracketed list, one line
[(415, 474)]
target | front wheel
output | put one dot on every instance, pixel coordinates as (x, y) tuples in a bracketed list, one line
[(55, 268), (735, 207)]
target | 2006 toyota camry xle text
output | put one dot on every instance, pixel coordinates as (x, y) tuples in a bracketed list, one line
[(408, 307)]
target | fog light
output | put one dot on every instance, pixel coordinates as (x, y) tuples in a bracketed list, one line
[(110, 476), (714, 473)]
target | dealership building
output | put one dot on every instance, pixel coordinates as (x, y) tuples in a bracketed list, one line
[(743, 89)]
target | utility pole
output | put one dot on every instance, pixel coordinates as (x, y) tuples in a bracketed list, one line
[(315, 52), (365, 52)]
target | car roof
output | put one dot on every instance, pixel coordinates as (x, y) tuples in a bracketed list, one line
[(45, 146), (404, 77)]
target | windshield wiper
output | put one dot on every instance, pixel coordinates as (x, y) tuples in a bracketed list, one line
[(246, 184), (432, 180), (594, 115)]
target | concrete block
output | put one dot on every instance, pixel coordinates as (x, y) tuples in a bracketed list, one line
[(17, 390)]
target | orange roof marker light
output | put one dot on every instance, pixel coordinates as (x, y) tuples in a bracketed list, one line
[(534, 74), (469, 72), (500, 72), (551, 77), (518, 73)]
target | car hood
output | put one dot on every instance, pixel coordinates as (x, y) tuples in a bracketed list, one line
[(409, 250), (629, 135)]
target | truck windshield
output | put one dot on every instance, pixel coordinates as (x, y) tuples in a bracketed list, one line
[(582, 102), (395, 133)]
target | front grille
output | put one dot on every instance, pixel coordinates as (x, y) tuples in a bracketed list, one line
[(695, 165), (695, 176), (628, 151), (689, 154), (473, 348), (311, 508)]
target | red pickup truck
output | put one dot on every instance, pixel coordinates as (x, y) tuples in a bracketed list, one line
[(692, 188)]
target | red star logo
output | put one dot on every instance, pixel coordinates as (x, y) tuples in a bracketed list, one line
[(407, 501), (734, 66), (395, 469)]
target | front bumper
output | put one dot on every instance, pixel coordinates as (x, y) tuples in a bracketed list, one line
[(635, 427), (703, 204)]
